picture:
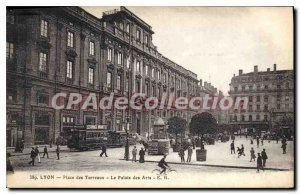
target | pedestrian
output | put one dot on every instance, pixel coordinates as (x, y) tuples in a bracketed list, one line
[(252, 155), (277, 139), (103, 151), (32, 156), (239, 151), (22, 145), (232, 148), (181, 154), (264, 157), (134, 152), (257, 141), (251, 141), (9, 166), (51, 143), (262, 141), (259, 163), (243, 150), (45, 152), (193, 142), (37, 151), (57, 151), (283, 146), (142, 155), (190, 152)]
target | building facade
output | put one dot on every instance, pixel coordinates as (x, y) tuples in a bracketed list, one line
[(66, 49), (270, 100)]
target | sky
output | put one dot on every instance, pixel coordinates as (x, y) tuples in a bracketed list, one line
[(215, 42)]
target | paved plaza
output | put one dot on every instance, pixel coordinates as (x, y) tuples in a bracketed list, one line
[(218, 159)]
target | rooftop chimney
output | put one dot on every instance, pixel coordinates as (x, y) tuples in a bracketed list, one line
[(274, 67), (255, 69), (233, 75), (205, 84), (268, 69), (200, 82), (240, 72)]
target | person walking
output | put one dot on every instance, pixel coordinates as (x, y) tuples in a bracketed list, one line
[(103, 151), (252, 155), (134, 152), (262, 141), (277, 139), (251, 141), (232, 148), (142, 155), (257, 141), (239, 151), (264, 157), (243, 150), (259, 163), (190, 152), (57, 151), (37, 151), (22, 145), (45, 152), (32, 156), (283, 146), (181, 154)]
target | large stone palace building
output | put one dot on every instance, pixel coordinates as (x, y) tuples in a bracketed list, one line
[(66, 49), (270, 100)]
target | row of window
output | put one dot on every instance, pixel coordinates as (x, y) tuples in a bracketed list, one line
[(250, 118), (70, 37), (266, 98), (43, 67), (258, 87), (138, 32), (258, 79)]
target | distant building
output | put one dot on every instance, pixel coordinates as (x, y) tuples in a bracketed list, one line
[(207, 88), (270, 100)]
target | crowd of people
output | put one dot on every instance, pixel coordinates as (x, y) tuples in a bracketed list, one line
[(261, 157), (35, 153)]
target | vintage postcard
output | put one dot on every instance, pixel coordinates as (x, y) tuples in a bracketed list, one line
[(150, 97)]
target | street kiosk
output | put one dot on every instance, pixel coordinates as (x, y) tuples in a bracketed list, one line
[(160, 143)]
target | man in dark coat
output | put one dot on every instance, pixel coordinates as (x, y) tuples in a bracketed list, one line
[(32, 156), (257, 141), (232, 148), (163, 164), (284, 146), (45, 152), (264, 157), (181, 154), (142, 155), (57, 151), (259, 162), (103, 151), (22, 145)]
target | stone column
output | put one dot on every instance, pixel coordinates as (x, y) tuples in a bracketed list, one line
[(28, 118)]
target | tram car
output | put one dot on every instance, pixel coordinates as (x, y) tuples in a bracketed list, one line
[(86, 138), (94, 137)]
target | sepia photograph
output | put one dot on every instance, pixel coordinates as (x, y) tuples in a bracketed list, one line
[(150, 97)]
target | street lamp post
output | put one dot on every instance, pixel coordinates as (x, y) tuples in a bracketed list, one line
[(126, 156)]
